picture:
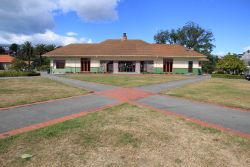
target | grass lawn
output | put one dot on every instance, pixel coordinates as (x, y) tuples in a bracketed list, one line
[(126, 80), (28, 90), (228, 92), (125, 136)]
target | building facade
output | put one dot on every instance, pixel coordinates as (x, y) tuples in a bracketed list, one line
[(125, 56), (5, 61)]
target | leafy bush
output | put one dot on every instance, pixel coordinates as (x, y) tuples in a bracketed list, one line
[(18, 65), (18, 73), (43, 68), (228, 76)]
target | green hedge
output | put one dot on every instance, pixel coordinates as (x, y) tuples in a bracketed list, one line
[(18, 73), (228, 76)]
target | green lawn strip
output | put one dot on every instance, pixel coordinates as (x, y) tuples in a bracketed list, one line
[(36, 89), (228, 92), (126, 81)]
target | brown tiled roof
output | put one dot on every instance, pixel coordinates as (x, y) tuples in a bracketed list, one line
[(123, 48)]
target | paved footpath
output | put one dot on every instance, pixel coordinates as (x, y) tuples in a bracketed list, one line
[(222, 116), (20, 117), (105, 95), (81, 84), (157, 88)]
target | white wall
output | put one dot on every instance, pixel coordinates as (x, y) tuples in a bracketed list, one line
[(158, 63), (73, 62), (94, 62), (183, 63), (69, 62)]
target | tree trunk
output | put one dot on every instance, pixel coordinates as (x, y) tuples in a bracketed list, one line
[(40, 59)]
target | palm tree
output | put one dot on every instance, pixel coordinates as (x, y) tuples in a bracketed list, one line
[(40, 49), (28, 51)]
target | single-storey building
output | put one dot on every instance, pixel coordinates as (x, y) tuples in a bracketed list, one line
[(5, 61), (125, 56)]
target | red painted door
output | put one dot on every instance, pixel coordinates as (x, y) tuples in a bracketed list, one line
[(85, 65)]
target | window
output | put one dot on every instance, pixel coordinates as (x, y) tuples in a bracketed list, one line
[(200, 63), (60, 64)]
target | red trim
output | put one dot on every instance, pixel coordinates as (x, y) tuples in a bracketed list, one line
[(199, 122), (85, 65)]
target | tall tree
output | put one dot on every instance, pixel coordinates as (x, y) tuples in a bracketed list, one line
[(40, 49), (190, 35), (14, 49), (27, 49)]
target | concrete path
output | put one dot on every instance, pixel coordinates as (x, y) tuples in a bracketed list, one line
[(226, 117), (156, 88), (20, 117), (106, 95), (81, 84)]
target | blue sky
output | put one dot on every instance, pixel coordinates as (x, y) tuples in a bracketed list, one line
[(140, 19)]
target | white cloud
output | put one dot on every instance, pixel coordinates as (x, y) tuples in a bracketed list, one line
[(49, 37), (36, 16), (26, 16), (221, 53), (71, 34), (91, 10), (33, 20), (246, 48)]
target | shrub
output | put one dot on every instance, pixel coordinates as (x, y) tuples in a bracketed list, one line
[(18, 73), (18, 65), (228, 76), (43, 68)]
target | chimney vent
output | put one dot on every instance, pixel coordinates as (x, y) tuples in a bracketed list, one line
[(124, 37)]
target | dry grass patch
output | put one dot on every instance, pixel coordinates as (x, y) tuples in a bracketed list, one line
[(126, 80), (125, 136), (28, 90), (228, 92)]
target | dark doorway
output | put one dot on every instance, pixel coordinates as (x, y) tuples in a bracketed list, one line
[(142, 67), (126, 66), (85, 65), (110, 67), (190, 66), (168, 65)]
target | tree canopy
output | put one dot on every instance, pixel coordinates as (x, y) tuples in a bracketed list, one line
[(231, 64), (190, 35)]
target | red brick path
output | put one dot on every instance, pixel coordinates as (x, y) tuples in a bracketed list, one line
[(126, 94)]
